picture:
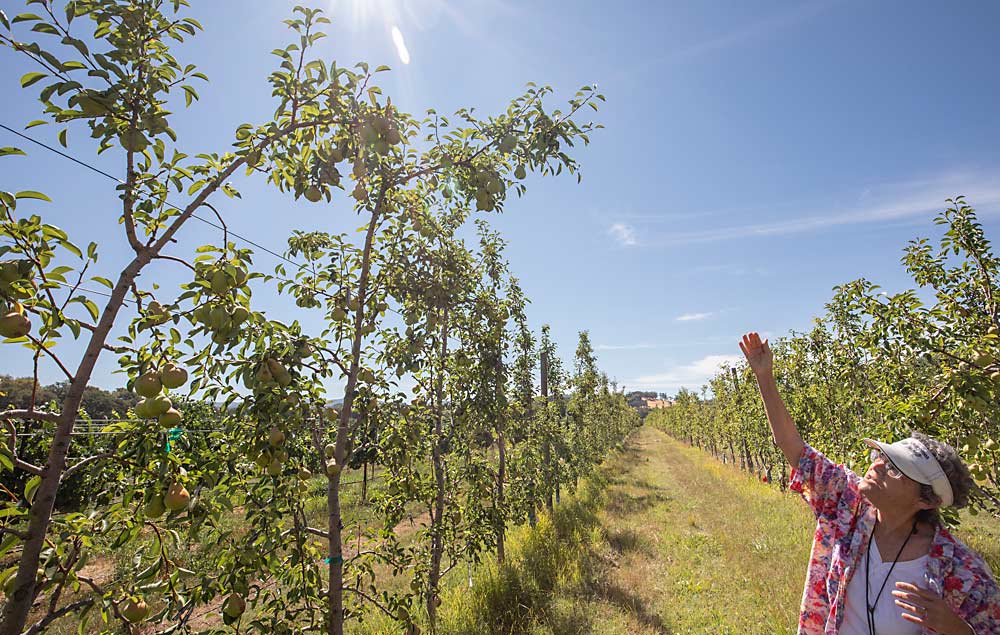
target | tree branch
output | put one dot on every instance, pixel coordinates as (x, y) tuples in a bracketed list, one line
[(40, 347), (85, 462), (40, 625), (28, 467), (317, 532), (180, 260), (370, 599)]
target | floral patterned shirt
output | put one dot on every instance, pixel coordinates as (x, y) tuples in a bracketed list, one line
[(844, 523)]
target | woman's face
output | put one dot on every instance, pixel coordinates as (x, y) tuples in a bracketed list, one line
[(887, 487)]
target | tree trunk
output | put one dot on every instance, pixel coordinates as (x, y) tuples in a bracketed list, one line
[(498, 510), (364, 482), (335, 594), (18, 605), (437, 460), (547, 447)]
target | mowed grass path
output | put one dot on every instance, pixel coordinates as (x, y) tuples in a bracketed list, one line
[(694, 546), (690, 545)]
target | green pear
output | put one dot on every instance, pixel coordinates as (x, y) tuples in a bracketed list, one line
[(239, 315), (263, 459), (14, 324), (264, 375), (221, 282), (148, 384), (170, 419), (155, 507), (158, 404), (134, 609), (278, 372), (313, 194), (172, 376), (508, 143), (234, 605), (276, 437), (143, 409)]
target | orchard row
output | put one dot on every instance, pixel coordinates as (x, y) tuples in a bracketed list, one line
[(427, 337), (878, 365)]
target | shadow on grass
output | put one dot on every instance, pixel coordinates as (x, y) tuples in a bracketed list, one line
[(556, 574), (621, 502), (631, 604), (626, 540)]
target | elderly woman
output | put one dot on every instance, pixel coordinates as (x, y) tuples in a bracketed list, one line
[(881, 560)]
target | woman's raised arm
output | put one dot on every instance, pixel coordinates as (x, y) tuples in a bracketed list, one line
[(761, 361)]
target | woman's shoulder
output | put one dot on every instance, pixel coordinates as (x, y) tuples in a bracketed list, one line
[(963, 557)]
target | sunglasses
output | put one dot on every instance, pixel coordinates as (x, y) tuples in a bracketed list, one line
[(891, 470)]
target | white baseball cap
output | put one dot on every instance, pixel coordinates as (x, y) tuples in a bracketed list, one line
[(915, 461)]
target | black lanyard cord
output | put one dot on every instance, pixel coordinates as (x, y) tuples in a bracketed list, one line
[(870, 608)]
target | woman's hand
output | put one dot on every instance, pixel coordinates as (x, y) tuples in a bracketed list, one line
[(922, 606), (758, 354)]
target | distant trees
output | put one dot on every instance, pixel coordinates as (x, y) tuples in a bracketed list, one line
[(20, 392)]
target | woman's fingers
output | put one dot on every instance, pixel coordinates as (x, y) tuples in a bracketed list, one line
[(915, 591), (912, 608)]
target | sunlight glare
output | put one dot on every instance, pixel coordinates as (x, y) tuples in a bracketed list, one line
[(397, 39)]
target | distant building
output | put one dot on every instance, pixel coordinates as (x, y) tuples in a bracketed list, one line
[(655, 404)]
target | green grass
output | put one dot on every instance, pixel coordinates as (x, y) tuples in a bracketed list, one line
[(664, 540)]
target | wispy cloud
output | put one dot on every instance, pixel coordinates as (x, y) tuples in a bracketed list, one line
[(691, 376), (624, 234), (623, 347), (694, 317), (885, 203)]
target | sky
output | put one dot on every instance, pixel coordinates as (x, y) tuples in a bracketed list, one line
[(755, 154)]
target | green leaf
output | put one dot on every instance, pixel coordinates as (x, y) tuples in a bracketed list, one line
[(8, 150), (73, 249), (25, 17), (8, 544), (80, 46), (62, 137), (31, 487), (91, 307), (44, 27), (33, 194), (30, 78), (103, 281), (36, 122)]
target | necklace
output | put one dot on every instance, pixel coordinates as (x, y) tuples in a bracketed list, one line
[(870, 608)]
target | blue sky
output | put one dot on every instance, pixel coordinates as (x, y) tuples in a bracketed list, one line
[(755, 153)]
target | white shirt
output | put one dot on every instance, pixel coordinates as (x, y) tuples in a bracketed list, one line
[(887, 614)]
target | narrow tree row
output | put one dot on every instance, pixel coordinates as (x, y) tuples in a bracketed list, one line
[(428, 338), (879, 365)]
